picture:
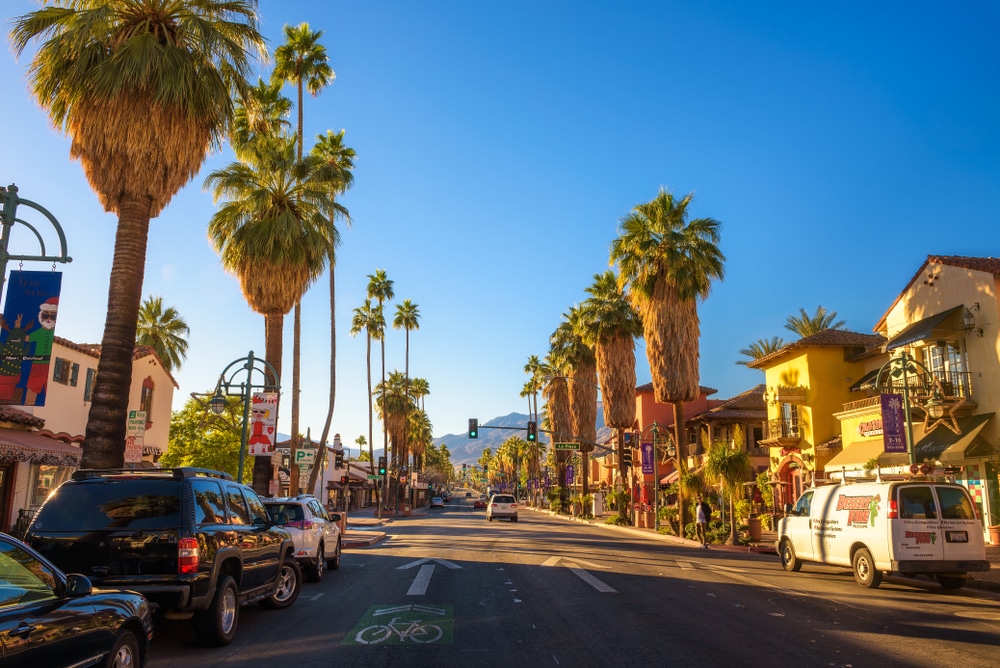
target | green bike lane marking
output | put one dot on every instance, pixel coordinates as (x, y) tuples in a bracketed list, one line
[(408, 624)]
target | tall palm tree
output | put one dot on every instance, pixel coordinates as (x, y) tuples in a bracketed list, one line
[(368, 320), (301, 60), (163, 330), (729, 468), (271, 233), (610, 325), (761, 348), (667, 264), (336, 170), (380, 289), (393, 404), (260, 115), (536, 372), (420, 388), (583, 387), (556, 393), (143, 89), (421, 435), (806, 325), (407, 318)]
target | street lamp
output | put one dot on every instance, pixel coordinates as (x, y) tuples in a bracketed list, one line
[(900, 369), (655, 429), (227, 386)]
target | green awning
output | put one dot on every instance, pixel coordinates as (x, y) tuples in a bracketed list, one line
[(944, 445)]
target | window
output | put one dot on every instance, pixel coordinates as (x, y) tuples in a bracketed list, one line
[(955, 504), (88, 388), (25, 579), (208, 505), (803, 505), (74, 374), (60, 371), (789, 420), (44, 479), (947, 362), (238, 513), (917, 503), (146, 400)]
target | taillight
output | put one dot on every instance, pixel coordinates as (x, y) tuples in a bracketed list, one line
[(187, 556), (893, 510), (305, 525)]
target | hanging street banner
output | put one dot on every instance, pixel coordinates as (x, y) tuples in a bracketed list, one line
[(647, 456), (893, 423), (569, 474), (26, 334), (263, 424)]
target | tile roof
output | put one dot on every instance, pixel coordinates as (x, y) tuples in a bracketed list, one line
[(94, 350), (827, 338), (748, 405), (13, 415)]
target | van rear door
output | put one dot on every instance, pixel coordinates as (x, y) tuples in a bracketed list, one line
[(917, 535), (962, 532)]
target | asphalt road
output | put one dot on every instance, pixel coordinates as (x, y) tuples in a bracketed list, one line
[(451, 589)]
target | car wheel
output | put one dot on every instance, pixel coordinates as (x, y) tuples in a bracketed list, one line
[(865, 573), (513, 519), (334, 564), (789, 561), (126, 652), (951, 581), (289, 586), (314, 571), (216, 626), (489, 517)]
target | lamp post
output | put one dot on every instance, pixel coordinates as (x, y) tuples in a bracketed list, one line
[(900, 368), (227, 386), (9, 202), (655, 430)]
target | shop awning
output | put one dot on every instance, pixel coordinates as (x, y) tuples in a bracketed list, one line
[(30, 446), (856, 455), (944, 445), (921, 330), (867, 381), (672, 477)]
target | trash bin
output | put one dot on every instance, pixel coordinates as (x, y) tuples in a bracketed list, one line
[(753, 524)]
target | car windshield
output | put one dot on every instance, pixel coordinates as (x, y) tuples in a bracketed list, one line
[(503, 499), (119, 504), (293, 510)]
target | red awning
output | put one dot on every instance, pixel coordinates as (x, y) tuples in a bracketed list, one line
[(30, 446)]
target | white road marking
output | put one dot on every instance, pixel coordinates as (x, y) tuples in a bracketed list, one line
[(591, 580), (418, 562), (552, 561), (421, 582), (685, 565)]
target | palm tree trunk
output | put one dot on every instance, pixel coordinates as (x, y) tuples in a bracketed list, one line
[(104, 444), (293, 470), (263, 470), (680, 437), (371, 422), (333, 381)]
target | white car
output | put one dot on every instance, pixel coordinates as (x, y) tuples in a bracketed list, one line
[(314, 531), (502, 505), (437, 502)]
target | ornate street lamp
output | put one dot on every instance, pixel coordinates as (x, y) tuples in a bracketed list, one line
[(901, 371), (9, 201), (227, 386)]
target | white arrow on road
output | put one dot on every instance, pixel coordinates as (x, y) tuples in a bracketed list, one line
[(582, 574), (423, 579)]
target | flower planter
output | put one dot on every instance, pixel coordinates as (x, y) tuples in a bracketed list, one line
[(995, 534)]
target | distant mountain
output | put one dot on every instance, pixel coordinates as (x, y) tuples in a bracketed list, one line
[(465, 450)]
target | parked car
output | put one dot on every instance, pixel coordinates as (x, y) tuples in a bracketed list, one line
[(51, 619), (314, 531), (914, 527), (479, 503), (437, 502), (193, 541), (468, 495), (502, 505)]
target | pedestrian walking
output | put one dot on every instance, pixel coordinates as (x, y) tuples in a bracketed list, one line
[(702, 513)]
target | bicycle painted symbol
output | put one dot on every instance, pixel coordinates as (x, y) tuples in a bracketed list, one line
[(416, 624)]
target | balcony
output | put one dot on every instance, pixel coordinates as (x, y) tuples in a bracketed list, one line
[(780, 432), (956, 388)]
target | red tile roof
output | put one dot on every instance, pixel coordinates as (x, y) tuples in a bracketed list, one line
[(827, 338)]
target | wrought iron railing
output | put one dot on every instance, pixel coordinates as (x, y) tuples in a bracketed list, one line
[(781, 428)]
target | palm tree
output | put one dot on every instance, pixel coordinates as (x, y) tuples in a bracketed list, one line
[(805, 325), (271, 234), (556, 393), (583, 389), (761, 348), (610, 325), (163, 330), (370, 321), (419, 388), (337, 170), (421, 434), (260, 115), (407, 318), (393, 404), (667, 263), (301, 60), (380, 289), (143, 89), (729, 468)]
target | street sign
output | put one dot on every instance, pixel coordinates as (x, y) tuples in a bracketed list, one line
[(135, 431), (373, 477), (567, 446), (305, 456)]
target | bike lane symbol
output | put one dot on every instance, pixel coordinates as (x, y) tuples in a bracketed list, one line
[(423, 624)]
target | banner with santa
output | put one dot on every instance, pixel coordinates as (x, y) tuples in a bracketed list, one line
[(263, 424), (27, 331)]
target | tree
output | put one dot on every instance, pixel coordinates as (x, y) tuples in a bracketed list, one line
[(301, 60), (421, 435), (805, 325), (393, 406), (761, 348), (370, 321), (143, 89), (260, 115), (419, 388), (163, 330), (580, 360), (556, 393), (380, 289), (407, 318), (362, 455), (199, 437), (729, 467), (610, 325), (336, 170), (271, 233), (666, 265)]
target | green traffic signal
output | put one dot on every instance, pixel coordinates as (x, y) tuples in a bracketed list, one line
[(473, 428), (532, 431)]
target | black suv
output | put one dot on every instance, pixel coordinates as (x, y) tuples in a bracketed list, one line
[(194, 542)]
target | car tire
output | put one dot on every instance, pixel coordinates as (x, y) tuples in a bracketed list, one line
[(951, 581), (314, 571), (865, 572), (514, 518), (289, 586), (216, 626), (334, 564), (489, 518), (789, 561), (126, 653)]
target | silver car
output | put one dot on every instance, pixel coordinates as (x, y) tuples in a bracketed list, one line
[(316, 534), (502, 505)]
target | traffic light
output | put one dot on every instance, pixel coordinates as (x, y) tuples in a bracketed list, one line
[(626, 457), (381, 465), (338, 458), (532, 432), (343, 480), (473, 428)]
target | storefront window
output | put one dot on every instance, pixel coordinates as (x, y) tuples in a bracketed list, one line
[(44, 479)]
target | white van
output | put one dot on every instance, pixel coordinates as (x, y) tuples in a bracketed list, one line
[(910, 528)]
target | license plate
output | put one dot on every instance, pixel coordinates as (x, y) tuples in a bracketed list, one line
[(956, 536)]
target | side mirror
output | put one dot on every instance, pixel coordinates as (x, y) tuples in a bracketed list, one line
[(788, 509), (279, 518), (336, 517), (78, 585)]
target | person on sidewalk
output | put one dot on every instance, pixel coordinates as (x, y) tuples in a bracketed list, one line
[(702, 512)]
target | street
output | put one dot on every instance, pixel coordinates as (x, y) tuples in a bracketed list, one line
[(451, 589)]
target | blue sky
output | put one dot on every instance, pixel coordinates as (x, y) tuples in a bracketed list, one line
[(499, 144)]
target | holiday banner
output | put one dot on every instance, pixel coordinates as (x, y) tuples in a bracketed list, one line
[(893, 422), (27, 330), (263, 424)]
